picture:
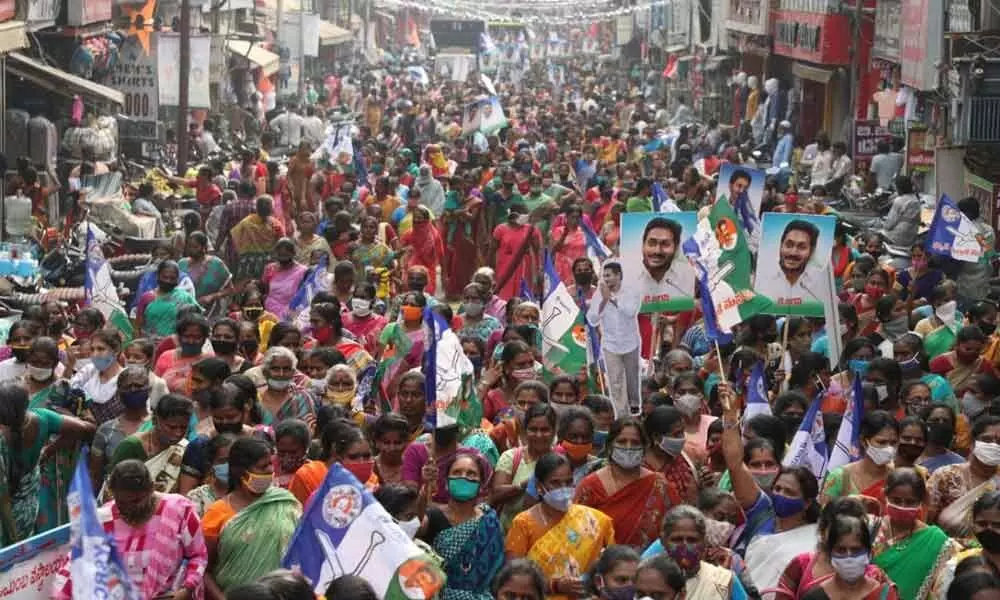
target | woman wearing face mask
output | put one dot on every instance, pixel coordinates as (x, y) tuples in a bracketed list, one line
[(175, 366), (209, 273), (162, 447), (634, 497), (612, 577), (475, 322), (343, 443), (665, 454), (955, 488), (908, 351), (207, 376), (779, 502), (517, 365), (879, 438), (575, 437), (217, 482), (328, 332), (854, 360), (291, 442), (849, 545), (281, 398), (961, 365), (683, 540), (283, 335), (876, 285), (939, 330), (175, 566), (908, 550), (912, 441), (248, 530), (340, 388), (517, 245), (19, 342), (156, 315), (423, 246), (390, 433), (686, 390), (402, 344), (516, 466), (362, 322), (561, 537), (230, 410), (133, 394), (886, 377), (225, 343), (940, 433), (403, 504), (568, 244), (893, 316), (985, 520), (790, 407), (917, 283), (466, 533), (282, 278), (661, 577)]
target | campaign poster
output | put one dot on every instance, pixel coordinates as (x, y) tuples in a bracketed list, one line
[(653, 261), (743, 188), (792, 265)]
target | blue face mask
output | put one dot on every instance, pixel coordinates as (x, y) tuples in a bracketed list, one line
[(786, 507), (221, 472), (600, 439), (102, 362), (858, 366)]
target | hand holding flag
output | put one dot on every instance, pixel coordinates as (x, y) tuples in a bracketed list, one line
[(953, 234)]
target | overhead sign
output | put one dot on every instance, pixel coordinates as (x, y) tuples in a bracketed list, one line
[(168, 50), (453, 33), (135, 75), (921, 45)]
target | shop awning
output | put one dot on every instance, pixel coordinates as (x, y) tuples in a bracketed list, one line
[(60, 82), (816, 74), (268, 61), (12, 36), (331, 35)]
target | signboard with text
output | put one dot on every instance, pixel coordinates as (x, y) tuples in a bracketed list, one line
[(748, 16), (887, 30), (28, 569), (867, 135), (921, 46), (135, 75), (42, 14), (919, 148)]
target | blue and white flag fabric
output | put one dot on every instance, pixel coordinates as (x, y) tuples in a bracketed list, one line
[(847, 448), (564, 337), (661, 201), (808, 448), (597, 251), (953, 234), (448, 377), (314, 282), (486, 44), (99, 289), (418, 74), (756, 394), (585, 171), (345, 531), (524, 292), (96, 568)]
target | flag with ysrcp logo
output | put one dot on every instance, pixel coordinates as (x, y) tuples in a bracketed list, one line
[(564, 332), (848, 445), (448, 377), (808, 448), (345, 531), (96, 568), (99, 289), (953, 234), (757, 403), (313, 283)]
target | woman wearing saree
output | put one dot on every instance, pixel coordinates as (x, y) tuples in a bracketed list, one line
[(24, 433), (423, 247), (464, 233), (517, 245), (281, 397), (401, 345), (156, 315), (369, 251), (962, 364), (283, 278), (211, 277), (517, 465), (562, 538), (634, 497), (464, 533), (252, 240), (666, 455), (909, 551), (941, 328), (985, 515), (941, 427), (174, 366), (362, 322), (952, 490), (568, 244), (248, 531), (162, 447), (328, 332), (879, 438), (876, 285)]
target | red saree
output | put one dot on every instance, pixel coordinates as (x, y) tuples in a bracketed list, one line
[(637, 509)]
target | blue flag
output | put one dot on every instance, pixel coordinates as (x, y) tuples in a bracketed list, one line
[(448, 373), (756, 395), (310, 286), (597, 250), (953, 234), (847, 448), (360, 168), (97, 570), (525, 292), (345, 531), (808, 448), (585, 171)]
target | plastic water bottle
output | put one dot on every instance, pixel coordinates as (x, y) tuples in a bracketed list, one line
[(18, 215)]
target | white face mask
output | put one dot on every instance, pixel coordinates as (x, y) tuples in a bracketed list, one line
[(688, 404), (39, 373), (411, 527), (521, 219), (946, 312), (881, 456), (361, 307), (987, 453), (850, 568)]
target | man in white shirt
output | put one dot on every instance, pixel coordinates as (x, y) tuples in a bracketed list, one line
[(616, 314), (313, 128), (822, 166), (288, 129), (794, 283), (663, 281), (885, 166)]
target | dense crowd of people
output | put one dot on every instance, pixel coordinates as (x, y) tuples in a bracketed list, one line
[(211, 430)]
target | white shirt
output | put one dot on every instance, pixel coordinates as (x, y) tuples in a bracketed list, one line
[(89, 380), (677, 282), (808, 287), (313, 130), (617, 320), (288, 129), (12, 371)]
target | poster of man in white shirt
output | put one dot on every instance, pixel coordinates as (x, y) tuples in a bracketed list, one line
[(653, 261), (795, 254)]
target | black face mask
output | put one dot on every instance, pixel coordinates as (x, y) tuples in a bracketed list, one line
[(791, 423), (940, 434), (233, 428), (989, 540), (224, 347), (202, 397), (910, 452), (769, 338), (416, 285), (167, 286), (250, 347), (583, 278)]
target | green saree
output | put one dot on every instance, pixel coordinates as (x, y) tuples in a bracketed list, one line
[(253, 542)]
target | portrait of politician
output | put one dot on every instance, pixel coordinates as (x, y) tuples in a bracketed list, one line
[(664, 274), (794, 278)]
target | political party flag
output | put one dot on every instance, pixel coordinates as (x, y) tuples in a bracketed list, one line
[(953, 234), (847, 448), (486, 45), (96, 568), (597, 250), (585, 171), (99, 289), (661, 201), (808, 448), (564, 336), (418, 74), (525, 292), (448, 376), (345, 531), (313, 283), (719, 250), (756, 394)]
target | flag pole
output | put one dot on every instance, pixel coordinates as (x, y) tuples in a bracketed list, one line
[(722, 374)]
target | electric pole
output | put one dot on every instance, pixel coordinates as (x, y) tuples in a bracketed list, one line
[(183, 88)]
